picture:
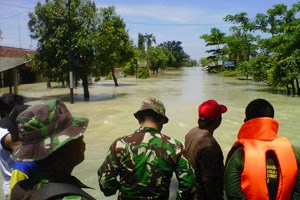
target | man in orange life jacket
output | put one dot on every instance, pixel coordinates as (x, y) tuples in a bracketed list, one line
[(261, 165)]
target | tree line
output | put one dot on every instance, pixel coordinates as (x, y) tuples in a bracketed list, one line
[(266, 47), (95, 41)]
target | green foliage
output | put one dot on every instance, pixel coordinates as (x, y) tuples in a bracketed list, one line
[(215, 39), (245, 68), (274, 59), (179, 56), (281, 50), (157, 58), (109, 76), (99, 40), (205, 61), (143, 73), (129, 69), (49, 24), (229, 73), (190, 63), (260, 66), (112, 43)]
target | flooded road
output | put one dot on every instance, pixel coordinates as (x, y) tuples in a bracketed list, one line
[(111, 109)]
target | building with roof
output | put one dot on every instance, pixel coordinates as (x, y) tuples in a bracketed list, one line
[(14, 69)]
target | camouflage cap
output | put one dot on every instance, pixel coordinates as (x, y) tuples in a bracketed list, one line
[(152, 104), (45, 128)]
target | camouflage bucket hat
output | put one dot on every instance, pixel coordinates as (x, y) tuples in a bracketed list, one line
[(45, 128), (152, 104)]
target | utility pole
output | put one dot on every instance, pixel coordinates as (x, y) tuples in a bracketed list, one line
[(69, 53), (19, 35)]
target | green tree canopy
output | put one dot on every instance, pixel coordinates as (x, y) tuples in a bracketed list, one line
[(215, 39), (49, 25), (176, 49), (114, 48)]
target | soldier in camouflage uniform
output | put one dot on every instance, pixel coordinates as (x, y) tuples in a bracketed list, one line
[(140, 165), (53, 139)]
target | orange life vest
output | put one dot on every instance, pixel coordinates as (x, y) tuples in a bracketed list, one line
[(257, 137)]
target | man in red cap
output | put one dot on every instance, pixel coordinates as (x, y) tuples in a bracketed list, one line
[(204, 152)]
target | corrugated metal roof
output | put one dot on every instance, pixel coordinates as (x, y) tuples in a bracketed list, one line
[(10, 63)]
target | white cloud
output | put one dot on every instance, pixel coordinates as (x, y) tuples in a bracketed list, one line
[(168, 14)]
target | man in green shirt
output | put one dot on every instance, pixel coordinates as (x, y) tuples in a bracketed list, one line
[(141, 165)]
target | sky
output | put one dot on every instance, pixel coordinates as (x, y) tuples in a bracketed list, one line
[(167, 20)]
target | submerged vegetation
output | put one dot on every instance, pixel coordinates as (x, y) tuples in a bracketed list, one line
[(273, 58)]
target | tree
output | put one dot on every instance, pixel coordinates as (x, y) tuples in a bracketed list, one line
[(242, 34), (141, 42), (149, 39), (49, 25), (113, 46), (282, 48), (157, 58), (175, 48), (216, 38)]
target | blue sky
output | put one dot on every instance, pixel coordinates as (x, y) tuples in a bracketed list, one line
[(167, 20)]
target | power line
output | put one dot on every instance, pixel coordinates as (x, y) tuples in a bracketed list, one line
[(32, 1), (15, 6), (159, 24), (13, 16)]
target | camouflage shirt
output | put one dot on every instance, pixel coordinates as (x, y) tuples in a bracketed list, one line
[(141, 166)]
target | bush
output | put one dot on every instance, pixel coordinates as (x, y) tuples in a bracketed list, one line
[(109, 76), (229, 73), (143, 73), (129, 69)]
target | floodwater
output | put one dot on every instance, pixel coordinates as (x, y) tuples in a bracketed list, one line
[(110, 110)]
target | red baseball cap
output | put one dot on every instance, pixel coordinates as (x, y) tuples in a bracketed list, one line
[(210, 110)]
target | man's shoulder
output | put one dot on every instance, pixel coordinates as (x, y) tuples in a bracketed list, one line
[(171, 139), (194, 130), (236, 150), (48, 188), (202, 137)]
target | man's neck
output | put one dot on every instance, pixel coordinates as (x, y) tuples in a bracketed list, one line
[(208, 130), (151, 124)]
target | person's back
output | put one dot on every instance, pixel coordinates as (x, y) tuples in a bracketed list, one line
[(204, 152), (52, 139), (257, 166), (145, 161)]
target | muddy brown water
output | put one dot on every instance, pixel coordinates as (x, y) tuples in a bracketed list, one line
[(110, 110)]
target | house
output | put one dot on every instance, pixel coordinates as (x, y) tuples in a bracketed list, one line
[(14, 69)]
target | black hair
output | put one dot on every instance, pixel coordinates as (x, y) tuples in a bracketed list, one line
[(8, 101), (150, 114), (204, 124), (259, 108), (5, 108)]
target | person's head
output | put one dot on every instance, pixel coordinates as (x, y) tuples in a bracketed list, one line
[(13, 99), (259, 108), (48, 128), (152, 109), (8, 101), (5, 108), (9, 122), (210, 114)]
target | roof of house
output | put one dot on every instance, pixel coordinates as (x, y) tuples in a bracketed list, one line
[(10, 63), (11, 57), (13, 52)]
